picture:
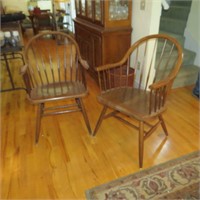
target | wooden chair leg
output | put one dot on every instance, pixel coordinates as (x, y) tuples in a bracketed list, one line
[(38, 121), (163, 125), (103, 112), (141, 143), (82, 107)]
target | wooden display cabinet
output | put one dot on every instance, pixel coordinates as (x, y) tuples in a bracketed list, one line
[(103, 30)]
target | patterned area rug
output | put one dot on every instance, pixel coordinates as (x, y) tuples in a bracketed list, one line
[(175, 179)]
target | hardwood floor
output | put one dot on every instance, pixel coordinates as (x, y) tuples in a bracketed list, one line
[(67, 161)]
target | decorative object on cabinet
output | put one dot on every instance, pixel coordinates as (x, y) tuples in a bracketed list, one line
[(157, 60), (54, 72), (103, 30)]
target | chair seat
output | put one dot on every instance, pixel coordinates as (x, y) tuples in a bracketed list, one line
[(64, 90), (130, 101)]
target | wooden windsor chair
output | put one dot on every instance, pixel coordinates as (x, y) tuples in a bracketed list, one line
[(54, 71), (156, 60)]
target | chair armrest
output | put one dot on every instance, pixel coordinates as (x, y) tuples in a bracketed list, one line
[(84, 63), (23, 69), (160, 84), (110, 66)]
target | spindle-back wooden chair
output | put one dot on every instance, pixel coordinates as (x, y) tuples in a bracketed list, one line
[(54, 71), (156, 60)]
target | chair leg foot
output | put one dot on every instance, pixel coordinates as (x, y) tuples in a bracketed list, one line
[(82, 107), (163, 125), (141, 143), (103, 112), (38, 121)]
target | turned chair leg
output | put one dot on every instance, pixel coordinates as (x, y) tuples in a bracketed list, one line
[(40, 111), (163, 125), (82, 107), (103, 112), (141, 143)]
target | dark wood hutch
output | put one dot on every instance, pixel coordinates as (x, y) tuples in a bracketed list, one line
[(103, 30)]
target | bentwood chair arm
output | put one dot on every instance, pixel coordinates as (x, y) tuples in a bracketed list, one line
[(160, 84), (84, 63), (23, 69), (109, 66)]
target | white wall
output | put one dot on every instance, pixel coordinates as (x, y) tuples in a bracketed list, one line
[(22, 5), (46, 4), (192, 31), (19, 5), (144, 22)]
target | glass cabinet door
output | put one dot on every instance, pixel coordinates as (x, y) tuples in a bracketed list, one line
[(83, 12), (77, 7), (105, 12), (89, 9), (118, 9), (98, 10)]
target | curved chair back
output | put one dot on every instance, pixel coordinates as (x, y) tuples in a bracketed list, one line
[(52, 58), (152, 63)]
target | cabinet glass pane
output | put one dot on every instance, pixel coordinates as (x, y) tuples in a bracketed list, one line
[(98, 10), (89, 8), (118, 9), (77, 7), (82, 7)]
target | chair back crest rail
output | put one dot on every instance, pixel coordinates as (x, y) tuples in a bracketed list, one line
[(52, 59), (150, 65)]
